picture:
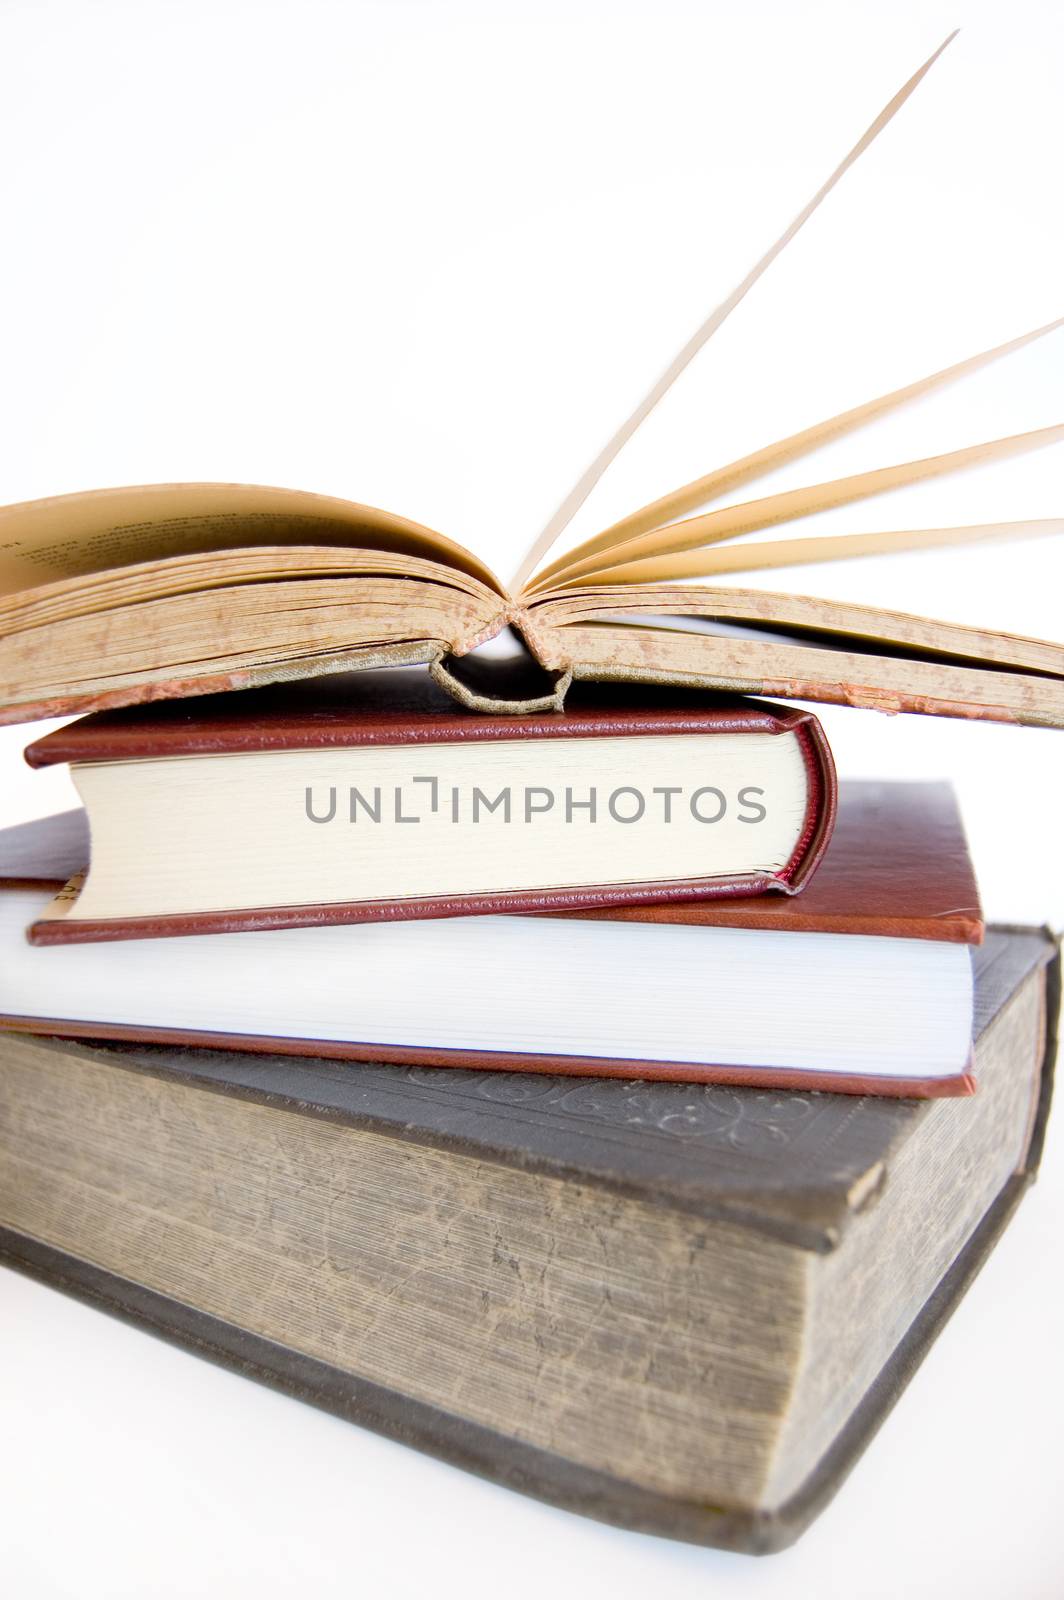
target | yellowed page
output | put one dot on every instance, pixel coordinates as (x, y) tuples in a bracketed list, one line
[(68, 536), (231, 638), (726, 479), (197, 574), (640, 559), (789, 670), (627, 608), (716, 561), (579, 493)]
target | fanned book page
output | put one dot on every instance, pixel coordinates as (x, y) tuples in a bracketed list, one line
[(125, 595)]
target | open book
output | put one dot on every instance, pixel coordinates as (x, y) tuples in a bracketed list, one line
[(125, 595)]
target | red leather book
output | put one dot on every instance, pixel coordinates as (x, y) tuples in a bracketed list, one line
[(384, 800), (863, 984), (897, 867)]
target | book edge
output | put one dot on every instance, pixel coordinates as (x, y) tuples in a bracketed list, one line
[(85, 740), (506, 902), (746, 1077), (524, 1467), (892, 702), (817, 1228), (507, 1461), (434, 654)]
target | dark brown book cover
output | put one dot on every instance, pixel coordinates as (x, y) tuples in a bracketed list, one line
[(409, 708), (798, 1173)]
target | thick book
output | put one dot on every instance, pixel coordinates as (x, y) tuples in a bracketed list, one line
[(864, 985), (382, 798), (123, 595), (679, 1309)]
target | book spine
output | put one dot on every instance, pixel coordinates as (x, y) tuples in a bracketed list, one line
[(822, 799)]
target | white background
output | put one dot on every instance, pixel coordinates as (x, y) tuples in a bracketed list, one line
[(428, 256)]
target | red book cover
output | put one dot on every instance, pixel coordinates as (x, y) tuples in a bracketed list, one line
[(411, 710)]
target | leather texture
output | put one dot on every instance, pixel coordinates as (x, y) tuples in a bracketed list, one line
[(409, 708), (897, 866)]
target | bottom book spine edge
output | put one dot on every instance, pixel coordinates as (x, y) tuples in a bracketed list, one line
[(510, 1462)]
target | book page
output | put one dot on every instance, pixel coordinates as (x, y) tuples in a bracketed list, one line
[(238, 637), (68, 536), (726, 479), (838, 671), (762, 614), (221, 569), (678, 550), (701, 337)]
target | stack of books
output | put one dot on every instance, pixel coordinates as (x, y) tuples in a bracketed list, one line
[(529, 1160), (560, 1071)]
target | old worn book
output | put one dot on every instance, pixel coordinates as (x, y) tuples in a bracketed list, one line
[(863, 985), (131, 594), (379, 797), (679, 1309)]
